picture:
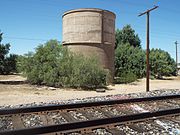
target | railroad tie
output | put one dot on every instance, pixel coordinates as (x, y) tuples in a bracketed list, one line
[(17, 122), (177, 119), (172, 119), (68, 117), (115, 131), (86, 114), (46, 120), (107, 114), (136, 128), (92, 133)]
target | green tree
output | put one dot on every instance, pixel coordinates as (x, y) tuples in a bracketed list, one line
[(161, 63), (10, 63), (129, 59), (129, 56), (127, 36), (7, 63), (24, 63), (4, 49)]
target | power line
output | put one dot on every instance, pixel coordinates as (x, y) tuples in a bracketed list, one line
[(23, 38), (162, 34), (154, 35), (30, 39)]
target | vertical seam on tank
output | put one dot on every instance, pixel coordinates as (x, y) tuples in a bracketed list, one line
[(102, 27)]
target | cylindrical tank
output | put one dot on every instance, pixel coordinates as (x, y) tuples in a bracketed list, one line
[(90, 32)]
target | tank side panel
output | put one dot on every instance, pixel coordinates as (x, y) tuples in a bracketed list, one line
[(93, 50), (109, 28), (109, 39), (82, 27)]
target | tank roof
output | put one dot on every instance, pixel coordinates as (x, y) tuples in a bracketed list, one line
[(87, 9)]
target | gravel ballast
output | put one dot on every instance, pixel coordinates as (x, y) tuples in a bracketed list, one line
[(34, 120)]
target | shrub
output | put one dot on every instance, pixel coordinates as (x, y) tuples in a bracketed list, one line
[(129, 58), (54, 65), (126, 77)]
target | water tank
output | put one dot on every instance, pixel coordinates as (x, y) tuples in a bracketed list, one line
[(90, 32)]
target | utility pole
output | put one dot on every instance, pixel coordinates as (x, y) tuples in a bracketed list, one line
[(147, 45), (176, 43)]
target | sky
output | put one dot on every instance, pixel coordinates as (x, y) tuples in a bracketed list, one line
[(28, 23)]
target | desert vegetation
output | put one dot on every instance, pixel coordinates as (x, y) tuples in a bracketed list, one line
[(54, 65)]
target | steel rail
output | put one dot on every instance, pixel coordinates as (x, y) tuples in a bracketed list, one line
[(91, 123), (80, 105)]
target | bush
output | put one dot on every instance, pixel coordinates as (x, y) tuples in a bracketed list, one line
[(126, 77), (85, 72), (54, 65), (129, 59)]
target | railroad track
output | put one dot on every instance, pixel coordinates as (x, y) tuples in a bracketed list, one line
[(88, 118)]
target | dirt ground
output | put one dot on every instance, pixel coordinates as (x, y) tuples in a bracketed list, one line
[(11, 94)]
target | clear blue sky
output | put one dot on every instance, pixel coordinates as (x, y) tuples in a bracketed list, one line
[(27, 23)]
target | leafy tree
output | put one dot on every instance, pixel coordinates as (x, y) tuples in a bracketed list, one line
[(161, 63), (10, 63), (4, 49), (127, 36), (23, 63), (7, 63), (129, 59), (129, 56), (54, 65)]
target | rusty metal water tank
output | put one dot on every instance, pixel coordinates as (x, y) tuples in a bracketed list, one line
[(90, 32)]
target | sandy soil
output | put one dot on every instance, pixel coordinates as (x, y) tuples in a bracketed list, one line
[(25, 93)]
